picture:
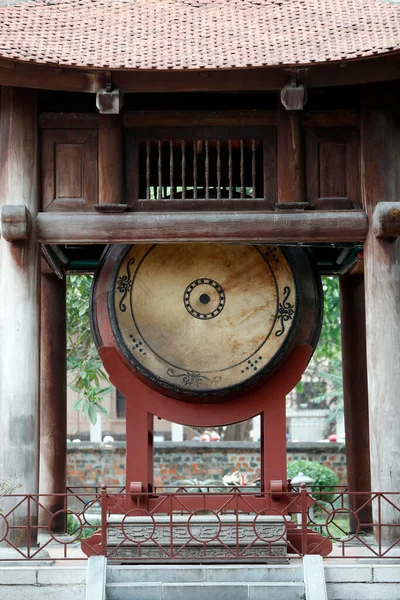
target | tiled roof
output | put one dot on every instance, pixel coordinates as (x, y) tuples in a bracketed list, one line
[(197, 34)]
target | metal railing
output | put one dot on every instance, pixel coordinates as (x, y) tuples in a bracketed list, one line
[(228, 525)]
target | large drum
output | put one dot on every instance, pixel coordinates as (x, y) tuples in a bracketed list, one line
[(205, 322)]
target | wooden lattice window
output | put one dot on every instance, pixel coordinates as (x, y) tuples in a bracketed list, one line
[(201, 167)]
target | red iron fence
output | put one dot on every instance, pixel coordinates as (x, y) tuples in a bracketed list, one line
[(229, 524)]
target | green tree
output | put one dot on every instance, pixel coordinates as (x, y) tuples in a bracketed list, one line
[(83, 363), (322, 382)]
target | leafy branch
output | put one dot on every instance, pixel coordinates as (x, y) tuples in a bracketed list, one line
[(84, 366)]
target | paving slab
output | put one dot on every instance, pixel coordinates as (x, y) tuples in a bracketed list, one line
[(151, 573), (210, 591), (276, 591), (364, 591), (17, 576), (30, 592), (132, 591), (61, 575), (248, 573), (383, 573), (348, 573)]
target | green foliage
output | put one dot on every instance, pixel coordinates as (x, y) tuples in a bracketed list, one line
[(83, 362), (329, 346), (321, 474), (79, 529), (322, 382)]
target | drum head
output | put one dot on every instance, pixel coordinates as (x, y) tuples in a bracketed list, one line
[(203, 319)]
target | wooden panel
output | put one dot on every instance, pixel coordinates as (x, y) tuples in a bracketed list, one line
[(69, 169), (332, 160), (68, 179), (333, 168)]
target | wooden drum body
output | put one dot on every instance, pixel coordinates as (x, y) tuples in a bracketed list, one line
[(205, 323)]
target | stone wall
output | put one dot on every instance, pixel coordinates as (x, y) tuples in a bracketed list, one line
[(95, 464)]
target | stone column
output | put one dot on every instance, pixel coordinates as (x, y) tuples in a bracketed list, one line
[(19, 302), (355, 394), (380, 147), (53, 399)]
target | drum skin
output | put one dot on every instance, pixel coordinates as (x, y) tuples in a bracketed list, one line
[(205, 322)]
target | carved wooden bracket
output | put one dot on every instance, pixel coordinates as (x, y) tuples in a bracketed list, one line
[(386, 220), (15, 221)]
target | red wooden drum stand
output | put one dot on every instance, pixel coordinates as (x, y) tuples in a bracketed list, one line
[(207, 335)]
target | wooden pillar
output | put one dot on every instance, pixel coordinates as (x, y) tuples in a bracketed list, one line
[(53, 399), (111, 182), (273, 444), (19, 302), (380, 149), (290, 158), (355, 394), (139, 448)]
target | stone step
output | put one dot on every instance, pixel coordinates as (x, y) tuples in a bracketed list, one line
[(205, 590), (210, 573)]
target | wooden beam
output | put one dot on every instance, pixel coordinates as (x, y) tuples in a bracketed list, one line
[(53, 77), (73, 120), (252, 227), (200, 118), (386, 220), (49, 78), (110, 161), (218, 80), (290, 158), (331, 118), (351, 72)]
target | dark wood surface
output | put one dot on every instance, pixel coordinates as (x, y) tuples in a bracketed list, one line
[(333, 165), (53, 399), (274, 227), (386, 220), (256, 79), (69, 120), (69, 169), (380, 135), (355, 392), (110, 160), (200, 118), (14, 222), (331, 118), (20, 304), (290, 157)]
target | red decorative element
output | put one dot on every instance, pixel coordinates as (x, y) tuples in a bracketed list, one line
[(315, 543), (136, 487), (143, 402), (276, 488)]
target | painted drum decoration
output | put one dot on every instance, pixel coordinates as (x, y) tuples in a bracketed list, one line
[(200, 321)]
